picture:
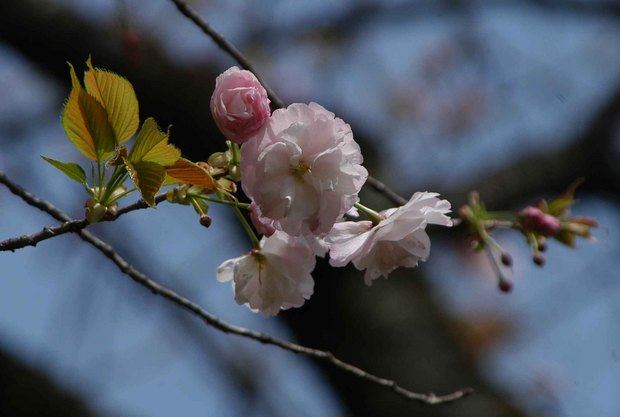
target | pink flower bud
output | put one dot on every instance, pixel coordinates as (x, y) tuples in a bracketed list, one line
[(537, 221), (239, 104)]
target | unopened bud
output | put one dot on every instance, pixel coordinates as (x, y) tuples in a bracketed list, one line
[(205, 220), (218, 160), (227, 185), (536, 220), (95, 212), (542, 245), (234, 173), (171, 195), (538, 258), (111, 212), (505, 285), (133, 46), (506, 259), (131, 39)]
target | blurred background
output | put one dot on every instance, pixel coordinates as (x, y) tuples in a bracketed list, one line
[(515, 99)]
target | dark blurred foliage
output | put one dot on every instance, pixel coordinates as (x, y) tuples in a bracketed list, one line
[(397, 330), (26, 392)]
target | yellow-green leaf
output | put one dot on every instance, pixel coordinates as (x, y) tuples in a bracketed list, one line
[(86, 123), (561, 205), (148, 177), (70, 169), (188, 172), (117, 97), (152, 145)]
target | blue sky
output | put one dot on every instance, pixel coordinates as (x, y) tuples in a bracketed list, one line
[(541, 78)]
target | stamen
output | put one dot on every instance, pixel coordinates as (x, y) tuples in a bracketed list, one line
[(300, 170)]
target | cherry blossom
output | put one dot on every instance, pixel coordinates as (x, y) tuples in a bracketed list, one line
[(399, 239), (239, 104), (536, 220), (276, 276), (303, 171)]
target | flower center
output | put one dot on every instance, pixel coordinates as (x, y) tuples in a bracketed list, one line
[(301, 168), (258, 257)]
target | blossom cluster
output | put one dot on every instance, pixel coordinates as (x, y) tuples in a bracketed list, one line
[(302, 170)]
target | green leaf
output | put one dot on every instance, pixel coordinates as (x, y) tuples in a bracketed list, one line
[(117, 97), (148, 177), (561, 205), (70, 169), (566, 237), (152, 145), (148, 159), (86, 123)]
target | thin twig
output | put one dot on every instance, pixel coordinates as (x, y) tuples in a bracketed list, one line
[(46, 233), (387, 192), (219, 39), (213, 320), (231, 50), (68, 226)]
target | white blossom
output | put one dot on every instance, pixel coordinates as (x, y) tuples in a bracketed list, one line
[(276, 276), (399, 239)]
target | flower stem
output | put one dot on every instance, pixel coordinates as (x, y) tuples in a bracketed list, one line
[(244, 222), (236, 155), (231, 203), (197, 207), (375, 217)]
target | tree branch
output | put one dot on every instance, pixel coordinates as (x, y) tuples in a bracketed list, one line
[(229, 48), (69, 225), (212, 320)]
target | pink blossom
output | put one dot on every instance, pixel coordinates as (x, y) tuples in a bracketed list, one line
[(399, 239), (536, 220), (277, 276), (239, 104), (263, 225), (303, 171)]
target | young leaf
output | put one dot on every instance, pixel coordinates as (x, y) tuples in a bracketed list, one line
[(86, 123), (152, 145), (70, 169), (120, 154), (561, 205), (148, 177), (148, 159), (188, 172), (117, 97)]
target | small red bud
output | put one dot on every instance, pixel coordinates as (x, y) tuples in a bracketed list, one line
[(111, 212), (542, 245), (538, 258), (505, 285), (536, 220), (132, 42), (506, 259), (205, 220)]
